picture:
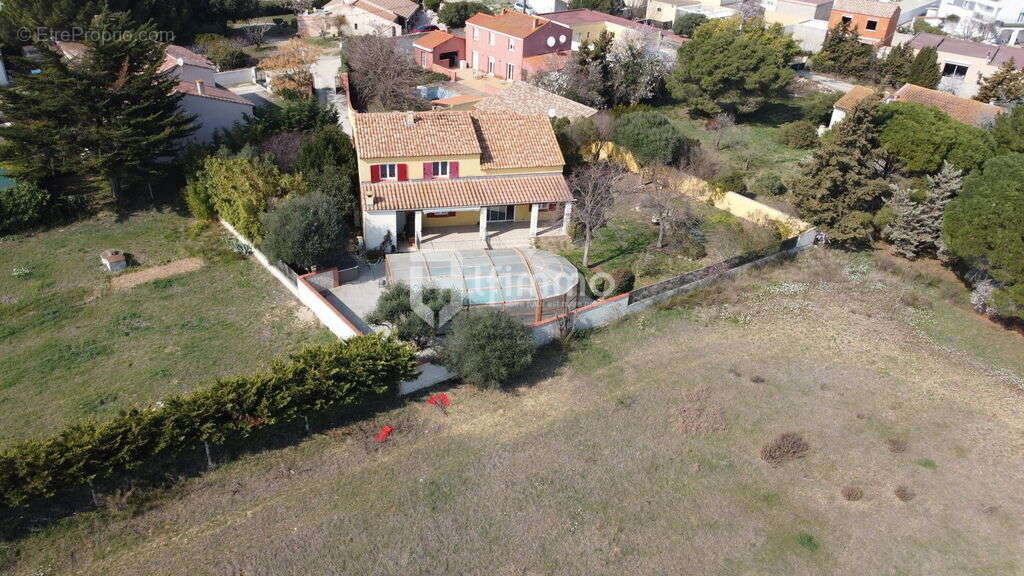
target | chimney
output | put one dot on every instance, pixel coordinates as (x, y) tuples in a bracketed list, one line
[(199, 87), (181, 61), (370, 199), (410, 119)]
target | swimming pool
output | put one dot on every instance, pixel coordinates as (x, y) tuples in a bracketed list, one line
[(435, 92), (5, 182)]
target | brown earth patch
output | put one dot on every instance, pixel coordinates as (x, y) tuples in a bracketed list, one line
[(786, 446), (176, 268)]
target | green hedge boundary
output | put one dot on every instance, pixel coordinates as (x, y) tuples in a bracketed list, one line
[(340, 374)]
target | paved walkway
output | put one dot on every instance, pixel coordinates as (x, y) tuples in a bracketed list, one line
[(325, 74)]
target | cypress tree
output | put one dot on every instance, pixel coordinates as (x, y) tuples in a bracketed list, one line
[(844, 53), (942, 188), (108, 117), (906, 231), (924, 70), (895, 69), (842, 186), (1005, 85)]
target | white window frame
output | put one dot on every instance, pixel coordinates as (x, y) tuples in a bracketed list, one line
[(510, 71), (511, 44), (490, 39), (388, 171), (476, 32), (440, 169)]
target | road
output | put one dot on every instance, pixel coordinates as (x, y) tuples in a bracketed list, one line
[(827, 82), (325, 73)]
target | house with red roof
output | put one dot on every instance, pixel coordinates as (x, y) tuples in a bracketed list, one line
[(214, 107), (964, 63), (439, 51), (506, 45)]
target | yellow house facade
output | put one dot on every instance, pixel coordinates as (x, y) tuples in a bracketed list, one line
[(423, 171)]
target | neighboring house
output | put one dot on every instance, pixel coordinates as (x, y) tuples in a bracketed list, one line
[(359, 17), (439, 49), (847, 102), (876, 22), (789, 12), (4, 78), (525, 98), (964, 63), (540, 6), (451, 169), (215, 108), (980, 18), (665, 12), (965, 110), (810, 34), (498, 45), (587, 25)]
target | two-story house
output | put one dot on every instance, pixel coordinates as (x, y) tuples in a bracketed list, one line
[(457, 170), (876, 22), (965, 63), (513, 45)]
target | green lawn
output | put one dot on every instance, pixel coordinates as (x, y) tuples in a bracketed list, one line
[(71, 346), (636, 449)]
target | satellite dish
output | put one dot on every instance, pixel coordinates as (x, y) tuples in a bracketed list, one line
[(551, 41), (552, 113)]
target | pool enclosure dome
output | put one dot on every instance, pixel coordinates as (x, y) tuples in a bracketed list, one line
[(529, 284)]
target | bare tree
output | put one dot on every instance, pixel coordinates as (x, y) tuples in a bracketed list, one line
[(593, 187), (637, 71), (256, 32), (750, 9), (721, 125), (300, 6), (382, 75), (665, 205), (579, 80)]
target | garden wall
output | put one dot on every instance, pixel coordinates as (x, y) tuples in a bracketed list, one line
[(236, 77)]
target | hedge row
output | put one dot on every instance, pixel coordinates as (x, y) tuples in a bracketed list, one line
[(336, 375)]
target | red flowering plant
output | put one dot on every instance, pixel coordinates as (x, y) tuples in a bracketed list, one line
[(440, 400)]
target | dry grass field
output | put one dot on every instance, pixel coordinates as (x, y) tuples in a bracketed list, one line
[(638, 449)]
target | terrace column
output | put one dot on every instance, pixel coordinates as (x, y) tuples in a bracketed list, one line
[(419, 227), (483, 222), (534, 217), (567, 219)]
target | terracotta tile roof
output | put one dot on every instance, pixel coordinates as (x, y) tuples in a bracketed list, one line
[(391, 135), (847, 102), (375, 10), (211, 92), (403, 8), (960, 109), (547, 62), (173, 53), (509, 22), (465, 192), (502, 139), (432, 40), (867, 7), (525, 98), (510, 140)]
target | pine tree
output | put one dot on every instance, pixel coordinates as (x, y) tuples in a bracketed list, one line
[(896, 66), (1005, 85), (942, 187), (844, 53), (907, 229), (924, 70), (107, 118), (842, 186)]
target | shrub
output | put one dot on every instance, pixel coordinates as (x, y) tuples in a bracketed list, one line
[(305, 231), (326, 145), (732, 181), (394, 310), (686, 24), (24, 205), (620, 280), (651, 137), (487, 347), (238, 190), (817, 107), (317, 379), (455, 14), (922, 137), (432, 5), (799, 134), (768, 185), (786, 446)]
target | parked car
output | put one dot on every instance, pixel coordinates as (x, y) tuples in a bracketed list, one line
[(523, 7), (425, 28)]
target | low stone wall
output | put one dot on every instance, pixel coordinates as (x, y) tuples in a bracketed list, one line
[(236, 77)]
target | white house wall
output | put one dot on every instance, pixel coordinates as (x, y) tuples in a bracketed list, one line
[(212, 115), (376, 225)]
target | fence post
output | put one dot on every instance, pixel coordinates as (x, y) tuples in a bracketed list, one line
[(209, 459)]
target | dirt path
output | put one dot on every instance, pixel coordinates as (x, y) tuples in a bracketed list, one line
[(178, 267)]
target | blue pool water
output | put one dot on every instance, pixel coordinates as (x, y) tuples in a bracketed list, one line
[(5, 182), (436, 92)]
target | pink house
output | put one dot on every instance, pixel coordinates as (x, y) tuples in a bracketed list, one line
[(498, 45), (439, 49)]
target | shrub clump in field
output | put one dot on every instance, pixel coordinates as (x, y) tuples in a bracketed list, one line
[(852, 493), (799, 134), (896, 445), (785, 447), (904, 493), (487, 347)]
